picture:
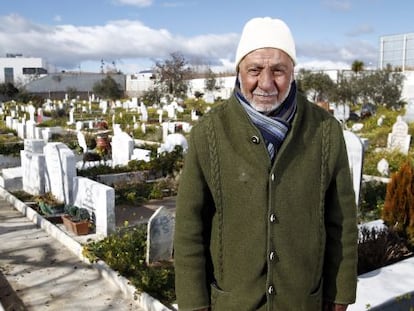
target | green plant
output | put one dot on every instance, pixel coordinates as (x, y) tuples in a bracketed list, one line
[(77, 214), (125, 252), (398, 212), (48, 204), (372, 200)]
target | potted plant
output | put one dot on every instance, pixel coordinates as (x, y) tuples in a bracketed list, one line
[(76, 220), (50, 207)]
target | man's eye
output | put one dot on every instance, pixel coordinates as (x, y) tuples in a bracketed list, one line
[(278, 72)]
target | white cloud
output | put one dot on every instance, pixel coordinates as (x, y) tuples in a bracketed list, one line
[(341, 54), (135, 46), (66, 46)]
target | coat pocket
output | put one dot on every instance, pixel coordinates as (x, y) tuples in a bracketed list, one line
[(315, 298), (220, 299)]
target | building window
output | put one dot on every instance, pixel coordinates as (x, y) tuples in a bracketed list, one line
[(34, 71), (8, 75)]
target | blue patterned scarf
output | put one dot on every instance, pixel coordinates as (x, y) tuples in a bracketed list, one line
[(275, 126)]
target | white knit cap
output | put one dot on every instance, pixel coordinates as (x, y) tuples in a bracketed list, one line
[(265, 32)]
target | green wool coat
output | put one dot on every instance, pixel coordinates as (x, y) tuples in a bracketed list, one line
[(252, 235)]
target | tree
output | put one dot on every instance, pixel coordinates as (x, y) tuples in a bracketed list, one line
[(318, 86), (398, 211), (8, 91), (152, 96), (172, 75), (108, 88), (210, 82), (357, 66), (382, 87)]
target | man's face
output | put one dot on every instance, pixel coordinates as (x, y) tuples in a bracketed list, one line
[(265, 77)]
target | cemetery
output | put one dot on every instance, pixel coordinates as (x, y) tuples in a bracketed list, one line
[(105, 163)]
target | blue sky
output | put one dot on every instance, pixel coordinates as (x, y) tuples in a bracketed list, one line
[(133, 34)]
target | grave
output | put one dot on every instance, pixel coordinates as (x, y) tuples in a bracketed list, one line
[(60, 171), (122, 148), (355, 151), (99, 200), (409, 111), (399, 139), (11, 178), (160, 236), (33, 166)]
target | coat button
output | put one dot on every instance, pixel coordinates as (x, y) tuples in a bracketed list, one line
[(272, 218), (272, 255), (271, 290), (255, 140)]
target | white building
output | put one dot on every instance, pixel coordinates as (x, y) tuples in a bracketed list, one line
[(224, 91), (138, 83), (19, 70), (397, 51)]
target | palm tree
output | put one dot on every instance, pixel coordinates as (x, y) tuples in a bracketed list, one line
[(357, 66)]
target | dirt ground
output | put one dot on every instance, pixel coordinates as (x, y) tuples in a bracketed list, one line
[(140, 214)]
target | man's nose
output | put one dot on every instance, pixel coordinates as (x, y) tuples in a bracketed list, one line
[(266, 80)]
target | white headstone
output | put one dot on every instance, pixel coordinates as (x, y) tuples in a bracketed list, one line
[(31, 109), (173, 140), (383, 167), (33, 172), (159, 111), (399, 139), (409, 111), (341, 112), (71, 118), (144, 113), (99, 200), (60, 171), (122, 148), (160, 236), (82, 142), (355, 151), (141, 155)]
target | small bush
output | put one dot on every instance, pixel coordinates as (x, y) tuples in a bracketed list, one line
[(372, 200), (125, 252), (398, 212)]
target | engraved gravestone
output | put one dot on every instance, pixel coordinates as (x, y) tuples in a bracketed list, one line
[(99, 200), (60, 171), (399, 139), (33, 166), (160, 236)]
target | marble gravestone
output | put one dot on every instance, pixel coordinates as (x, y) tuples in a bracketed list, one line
[(99, 200), (60, 171), (160, 232), (399, 139), (355, 151)]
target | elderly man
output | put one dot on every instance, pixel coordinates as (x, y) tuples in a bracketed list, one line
[(266, 216)]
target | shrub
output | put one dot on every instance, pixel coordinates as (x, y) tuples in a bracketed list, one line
[(125, 252), (398, 212), (372, 200), (378, 248)]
